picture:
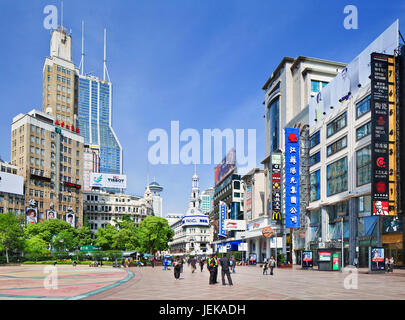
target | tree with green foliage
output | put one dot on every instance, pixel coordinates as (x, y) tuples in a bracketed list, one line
[(127, 236), (64, 240), (154, 234), (105, 237), (83, 236), (11, 233), (47, 229), (36, 248)]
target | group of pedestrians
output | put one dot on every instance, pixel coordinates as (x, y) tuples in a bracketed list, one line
[(269, 265), (212, 265)]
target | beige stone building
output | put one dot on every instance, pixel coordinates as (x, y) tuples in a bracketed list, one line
[(50, 159)]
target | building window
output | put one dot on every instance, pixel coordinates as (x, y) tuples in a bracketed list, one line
[(315, 139), (363, 131), (364, 204), (363, 165), (316, 85), (336, 146), (363, 107), (315, 185), (338, 210), (315, 158), (337, 176), (273, 115), (336, 125)]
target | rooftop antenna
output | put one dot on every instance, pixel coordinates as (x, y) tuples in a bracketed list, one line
[(105, 56), (81, 66), (61, 23)]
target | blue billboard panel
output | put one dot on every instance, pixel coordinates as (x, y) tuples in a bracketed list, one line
[(222, 217), (292, 178)]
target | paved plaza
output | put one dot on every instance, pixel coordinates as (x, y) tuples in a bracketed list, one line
[(146, 283)]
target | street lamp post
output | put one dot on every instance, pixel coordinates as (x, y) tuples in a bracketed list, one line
[(343, 259)]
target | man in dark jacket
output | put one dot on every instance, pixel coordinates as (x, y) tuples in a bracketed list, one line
[(212, 265), (225, 270)]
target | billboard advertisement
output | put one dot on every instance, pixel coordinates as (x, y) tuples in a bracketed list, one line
[(335, 261), (106, 180), (226, 167), (239, 225), (377, 259), (51, 214), (324, 256), (70, 218), (11, 183), (381, 106), (31, 214), (346, 83), (195, 220), (222, 216), (307, 259), (275, 187), (292, 178)]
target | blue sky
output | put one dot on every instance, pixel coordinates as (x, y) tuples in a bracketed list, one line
[(201, 62)]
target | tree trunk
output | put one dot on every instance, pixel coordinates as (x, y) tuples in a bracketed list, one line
[(7, 255)]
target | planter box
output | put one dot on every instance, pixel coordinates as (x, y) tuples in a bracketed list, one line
[(288, 266)]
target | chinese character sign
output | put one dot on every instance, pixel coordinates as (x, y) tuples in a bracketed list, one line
[(292, 178), (276, 187), (222, 216)]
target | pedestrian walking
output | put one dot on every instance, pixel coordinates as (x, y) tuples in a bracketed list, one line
[(265, 268), (225, 264), (234, 263), (202, 264), (177, 268), (74, 263), (152, 262), (392, 264), (355, 262), (193, 265), (212, 265), (272, 264), (387, 265)]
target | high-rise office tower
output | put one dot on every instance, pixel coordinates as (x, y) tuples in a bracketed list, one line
[(58, 95), (95, 117)]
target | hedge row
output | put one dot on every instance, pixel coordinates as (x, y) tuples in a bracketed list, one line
[(65, 262)]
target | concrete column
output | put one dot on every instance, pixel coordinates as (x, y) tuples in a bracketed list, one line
[(324, 224), (257, 251), (353, 213), (267, 249), (248, 249)]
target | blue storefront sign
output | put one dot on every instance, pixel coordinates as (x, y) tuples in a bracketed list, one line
[(292, 178), (222, 217), (230, 246)]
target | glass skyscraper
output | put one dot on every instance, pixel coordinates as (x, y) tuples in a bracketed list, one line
[(94, 120)]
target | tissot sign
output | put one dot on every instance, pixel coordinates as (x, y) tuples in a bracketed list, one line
[(104, 180)]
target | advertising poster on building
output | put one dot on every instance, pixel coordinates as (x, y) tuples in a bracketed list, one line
[(335, 261), (238, 225), (225, 168), (307, 260), (11, 183), (275, 187), (292, 178), (51, 214), (380, 93), (31, 214), (70, 218), (105, 180), (222, 216), (377, 259), (324, 256)]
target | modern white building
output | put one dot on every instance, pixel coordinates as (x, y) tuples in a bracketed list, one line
[(173, 217), (157, 201), (207, 200)]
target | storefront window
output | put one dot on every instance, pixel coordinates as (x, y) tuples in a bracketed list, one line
[(363, 165), (337, 176), (315, 185), (366, 226)]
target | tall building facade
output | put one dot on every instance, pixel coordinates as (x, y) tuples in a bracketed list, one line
[(207, 200), (287, 93), (95, 121), (157, 202), (50, 158), (91, 163), (12, 198)]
